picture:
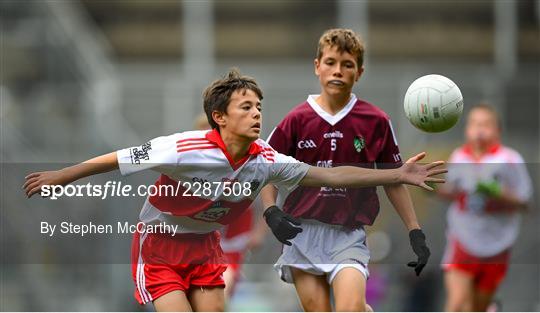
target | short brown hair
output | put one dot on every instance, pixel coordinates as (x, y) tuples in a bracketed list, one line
[(490, 109), (345, 40), (217, 95)]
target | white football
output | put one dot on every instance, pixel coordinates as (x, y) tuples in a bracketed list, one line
[(433, 103)]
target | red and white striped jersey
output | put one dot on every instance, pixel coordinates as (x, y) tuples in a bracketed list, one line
[(488, 229), (210, 189)]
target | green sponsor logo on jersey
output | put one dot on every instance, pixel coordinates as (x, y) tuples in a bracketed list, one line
[(359, 143)]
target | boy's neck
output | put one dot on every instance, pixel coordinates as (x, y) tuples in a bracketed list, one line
[(236, 147), (333, 104)]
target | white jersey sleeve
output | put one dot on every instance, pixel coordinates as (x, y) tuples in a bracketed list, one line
[(287, 172), (158, 154), (518, 179)]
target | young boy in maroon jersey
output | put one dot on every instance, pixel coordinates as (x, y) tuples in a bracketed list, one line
[(331, 129), (183, 271)]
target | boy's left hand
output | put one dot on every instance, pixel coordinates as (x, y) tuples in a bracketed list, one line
[(418, 244)]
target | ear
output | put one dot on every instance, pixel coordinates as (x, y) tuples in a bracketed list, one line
[(316, 64), (359, 73), (219, 118)]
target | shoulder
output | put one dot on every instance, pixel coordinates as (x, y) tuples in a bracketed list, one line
[(265, 146), (272, 155), (193, 141), (510, 155), (368, 108), (267, 154), (373, 118), (191, 134)]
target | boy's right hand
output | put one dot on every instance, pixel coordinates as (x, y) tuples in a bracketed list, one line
[(34, 182), (284, 226), (420, 175)]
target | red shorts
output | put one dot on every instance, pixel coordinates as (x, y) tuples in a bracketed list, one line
[(235, 260), (487, 272), (161, 263)]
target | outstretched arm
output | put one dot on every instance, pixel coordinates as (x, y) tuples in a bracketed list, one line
[(410, 173), (101, 164)]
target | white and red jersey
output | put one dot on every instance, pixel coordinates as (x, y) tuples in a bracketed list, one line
[(201, 157), (492, 229), (359, 135), (235, 236)]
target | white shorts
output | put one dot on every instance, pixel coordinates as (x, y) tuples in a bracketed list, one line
[(323, 249)]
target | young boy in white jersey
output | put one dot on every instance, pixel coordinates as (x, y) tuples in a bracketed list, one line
[(330, 129), (489, 186), (216, 174), (238, 237)]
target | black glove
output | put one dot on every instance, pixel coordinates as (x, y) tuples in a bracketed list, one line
[(284, 226), (418, 244)]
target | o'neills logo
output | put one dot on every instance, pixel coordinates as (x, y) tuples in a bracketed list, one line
[(334, 134)]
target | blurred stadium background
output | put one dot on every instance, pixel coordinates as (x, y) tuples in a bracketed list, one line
[(80, 78)]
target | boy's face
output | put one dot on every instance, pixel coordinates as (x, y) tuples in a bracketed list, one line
[(337, 71), (243, 117), (482, 128)]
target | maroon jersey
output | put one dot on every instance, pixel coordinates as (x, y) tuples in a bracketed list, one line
[(360, 135)]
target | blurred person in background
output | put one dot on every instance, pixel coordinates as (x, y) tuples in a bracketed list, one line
[(489, 187), (330, 129), (238, 237), (182, 269)]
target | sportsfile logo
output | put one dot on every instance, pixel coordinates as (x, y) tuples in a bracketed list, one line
[(306, 144)]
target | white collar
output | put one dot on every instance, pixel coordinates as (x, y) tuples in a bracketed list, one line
[(331, 119)]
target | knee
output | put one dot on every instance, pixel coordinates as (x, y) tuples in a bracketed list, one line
[(313, 304), (352, 305)]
